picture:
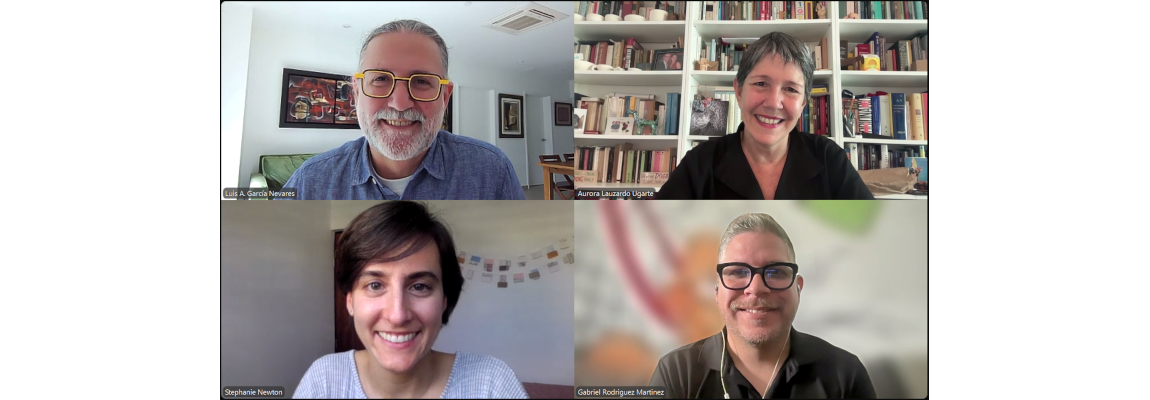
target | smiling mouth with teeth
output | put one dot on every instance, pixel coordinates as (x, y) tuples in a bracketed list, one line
[(769, 120), (754, 310), (397, 338), (399, 122)]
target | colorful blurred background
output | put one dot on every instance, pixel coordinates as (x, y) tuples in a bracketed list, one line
[(646, 283)]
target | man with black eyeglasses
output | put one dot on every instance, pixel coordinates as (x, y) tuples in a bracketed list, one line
[(401, 91), (759, 355)]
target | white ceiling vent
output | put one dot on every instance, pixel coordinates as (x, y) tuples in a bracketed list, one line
[(525, 18)]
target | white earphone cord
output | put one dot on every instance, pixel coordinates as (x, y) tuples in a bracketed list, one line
[(723, 359)]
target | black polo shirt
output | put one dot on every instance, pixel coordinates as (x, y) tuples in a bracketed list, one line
[(814, 369), (816, 169)]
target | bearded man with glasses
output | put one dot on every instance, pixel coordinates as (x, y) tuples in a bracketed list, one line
[(757, 290), (401, 90)]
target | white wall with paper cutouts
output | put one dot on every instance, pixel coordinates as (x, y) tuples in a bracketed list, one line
[(521, 310)]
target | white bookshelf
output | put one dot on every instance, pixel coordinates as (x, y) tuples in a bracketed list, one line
[(629, 78), (627, 137), (688, 82), (901, 196), (617, 185)]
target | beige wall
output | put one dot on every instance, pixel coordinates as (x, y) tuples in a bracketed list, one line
[(275, 291), (277, 287)]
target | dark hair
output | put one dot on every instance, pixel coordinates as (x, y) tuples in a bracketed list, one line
[(379, 234), (789, 48)]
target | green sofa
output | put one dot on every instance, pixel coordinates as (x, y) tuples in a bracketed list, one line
[(276, 169)]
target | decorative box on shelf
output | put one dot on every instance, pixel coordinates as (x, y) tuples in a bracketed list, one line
[(583, 176), (654, 178)]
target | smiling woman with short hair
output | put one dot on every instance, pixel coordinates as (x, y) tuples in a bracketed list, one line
[(396, 262), (767, 157)]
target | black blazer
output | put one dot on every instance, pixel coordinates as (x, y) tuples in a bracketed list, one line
[(816, 169)]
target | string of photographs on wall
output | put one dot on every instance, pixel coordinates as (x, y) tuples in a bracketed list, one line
[(521, 268)]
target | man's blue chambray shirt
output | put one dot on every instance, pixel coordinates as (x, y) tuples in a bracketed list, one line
[(455, 168)]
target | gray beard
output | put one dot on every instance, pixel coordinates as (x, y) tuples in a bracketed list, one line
[(400, 148)]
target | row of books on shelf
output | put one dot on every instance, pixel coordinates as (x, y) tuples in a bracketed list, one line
[(625, 8), (875, 156), (884, 9), (762, 10), (628, 53), (629, 114), (623, 164), (899, 116), (728, 52), (902, 55), (878, 156)]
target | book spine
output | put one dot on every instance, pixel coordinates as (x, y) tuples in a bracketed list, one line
[(875, 120), (925, 121), (626, 178), (610, 157), (899, 110), (917, 128), (887, 116)]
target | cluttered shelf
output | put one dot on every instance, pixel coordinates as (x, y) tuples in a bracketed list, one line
[(645, 31)]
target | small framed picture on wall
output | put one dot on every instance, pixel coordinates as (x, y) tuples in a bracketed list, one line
[(510, 116), (562, 114)]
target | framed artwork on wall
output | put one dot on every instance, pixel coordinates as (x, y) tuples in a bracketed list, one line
[(317, 100), (562, 114), (510, 116)]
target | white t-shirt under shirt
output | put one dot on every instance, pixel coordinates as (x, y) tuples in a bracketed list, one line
[(396, 185), (473, 376)]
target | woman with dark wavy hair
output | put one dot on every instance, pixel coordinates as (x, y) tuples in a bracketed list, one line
[(396, 262)]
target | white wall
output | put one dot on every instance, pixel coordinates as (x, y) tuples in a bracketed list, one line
[(236, 26), (274, 48), (275, 291), (527, 325), (476, 114)]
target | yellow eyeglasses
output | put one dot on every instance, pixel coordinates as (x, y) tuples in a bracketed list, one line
[(422, 87)]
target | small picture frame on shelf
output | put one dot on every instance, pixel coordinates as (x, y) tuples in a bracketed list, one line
[(668, 59), (578, 116), (620, 126)]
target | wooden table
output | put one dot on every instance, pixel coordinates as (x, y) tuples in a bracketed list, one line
[(550, 168)]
